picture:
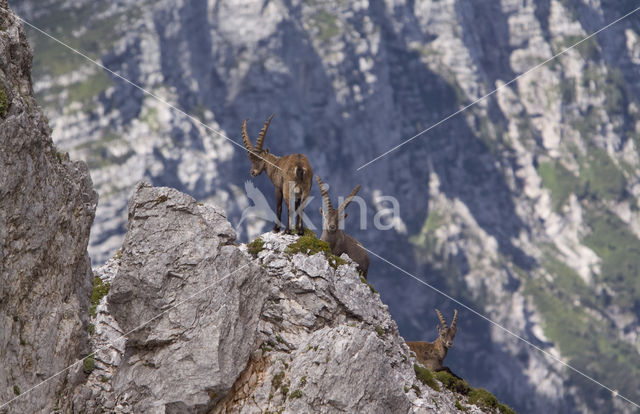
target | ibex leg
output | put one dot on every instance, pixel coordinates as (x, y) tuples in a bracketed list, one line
[(299, 227), (276, 227)]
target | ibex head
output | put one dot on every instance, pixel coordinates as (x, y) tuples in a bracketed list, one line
[(447, 333), (256, 154), (332, 217)]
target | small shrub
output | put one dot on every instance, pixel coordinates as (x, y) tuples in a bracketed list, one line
[(452, 383), (104, 379), (483, 399), (92, 329), (425, 376), (380, 330), (89, 364), (255, 247), (15, 318), (296, 394), (16, 390), (100, 290), (303, 381)]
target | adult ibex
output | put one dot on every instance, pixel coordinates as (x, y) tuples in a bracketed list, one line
[(432, 354), (291, 176), (339, 241)]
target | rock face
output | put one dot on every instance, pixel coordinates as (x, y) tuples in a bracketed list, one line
[(524, 205), (279, 332), (47, 206)]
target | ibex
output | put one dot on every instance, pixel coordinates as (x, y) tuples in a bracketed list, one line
[(432, 354), (291, 176), (339, 241)]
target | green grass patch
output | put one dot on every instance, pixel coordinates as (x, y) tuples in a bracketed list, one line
[(560, 181), (327, 24), (16, 390), (100, 290), (92, 329), (380, 331), (505, 409), (425, 376), (590, 344), (255, 247), (88, 89), (426, 239), (452, 383), (295, 394), (600, 177), (619, 250), (483, 399), (588, 49), (309, 244)]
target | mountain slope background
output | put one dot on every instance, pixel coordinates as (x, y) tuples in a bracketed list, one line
[(524, 206)]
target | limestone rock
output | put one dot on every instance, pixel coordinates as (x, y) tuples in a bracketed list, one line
[(211, 329), (47, 206)]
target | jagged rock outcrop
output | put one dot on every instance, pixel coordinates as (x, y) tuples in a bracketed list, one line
[(531, 215), (47, 206), (278, 332)]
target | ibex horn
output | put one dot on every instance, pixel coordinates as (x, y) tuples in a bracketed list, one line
[(455, 319), (349, 198), (263, 133), (325, 195), (245, 137), (442, 321)]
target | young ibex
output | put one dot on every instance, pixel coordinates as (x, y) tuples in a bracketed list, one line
[(291, 176), (339, 241), (432, 354)]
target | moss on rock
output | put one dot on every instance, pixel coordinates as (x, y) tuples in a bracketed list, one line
[(4, 103)]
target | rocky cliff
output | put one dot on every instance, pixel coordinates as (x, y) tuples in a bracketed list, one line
[(194, 322), (524, 206), (47, 206)]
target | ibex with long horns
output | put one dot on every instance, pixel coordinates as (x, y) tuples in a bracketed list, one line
[(339, 241), (290, 175), (432, 354)]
